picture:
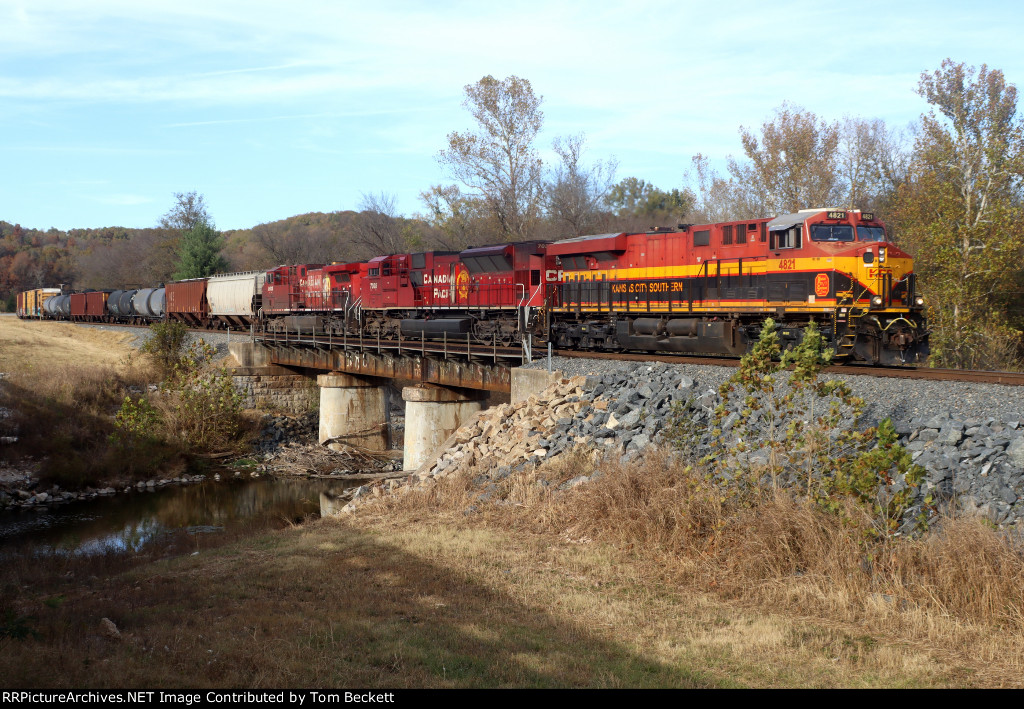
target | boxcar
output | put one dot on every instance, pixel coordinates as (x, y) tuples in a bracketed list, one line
[(77, 305), (96, 305), (187, 303)]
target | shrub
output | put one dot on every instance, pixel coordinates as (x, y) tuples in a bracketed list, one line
[(166, 344), (200, 406), (804, 435)]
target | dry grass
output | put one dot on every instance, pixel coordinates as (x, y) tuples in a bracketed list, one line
[(66, 383), (957, 593), (29, 345), (429, 601), (64, 416), (63, 386), (548, 590), (328, 606)]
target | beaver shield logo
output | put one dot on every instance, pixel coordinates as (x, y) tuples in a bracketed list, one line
[(462, 283)]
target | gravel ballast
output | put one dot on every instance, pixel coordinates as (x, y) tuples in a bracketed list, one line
[(969, 438), (884, 397), (218, 339)]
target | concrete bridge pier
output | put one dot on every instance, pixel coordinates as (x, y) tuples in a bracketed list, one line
[(432, 414), (353, 411)]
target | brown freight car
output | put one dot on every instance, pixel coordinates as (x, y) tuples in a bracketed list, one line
[(186, 302), (77, 304), (96, 305)]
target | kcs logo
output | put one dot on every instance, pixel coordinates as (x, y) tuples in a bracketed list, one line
[(821, 285)]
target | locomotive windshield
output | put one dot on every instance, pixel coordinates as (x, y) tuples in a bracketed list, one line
[(870, 233), (831, 232)]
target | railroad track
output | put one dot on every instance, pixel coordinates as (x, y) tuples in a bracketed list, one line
[(454, 348), (926, 373)]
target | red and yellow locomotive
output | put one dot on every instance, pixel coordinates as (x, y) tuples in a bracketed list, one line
[(708, 288)]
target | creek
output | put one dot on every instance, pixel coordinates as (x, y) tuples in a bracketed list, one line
[(170, 519)]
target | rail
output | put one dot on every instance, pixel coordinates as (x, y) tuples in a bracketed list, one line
[(449, 348)]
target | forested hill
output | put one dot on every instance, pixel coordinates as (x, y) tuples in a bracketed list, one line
[(111, 257)]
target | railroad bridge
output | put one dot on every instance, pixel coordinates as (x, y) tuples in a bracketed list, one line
[(451, 382)]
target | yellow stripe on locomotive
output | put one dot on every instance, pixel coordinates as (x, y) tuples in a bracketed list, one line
[(834, 267)]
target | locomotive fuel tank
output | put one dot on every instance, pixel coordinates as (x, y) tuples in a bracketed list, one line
[(436, 329)]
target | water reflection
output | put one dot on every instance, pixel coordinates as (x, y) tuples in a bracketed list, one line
[(127, 523)]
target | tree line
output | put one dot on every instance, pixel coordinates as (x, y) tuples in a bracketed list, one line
[(949, 186)]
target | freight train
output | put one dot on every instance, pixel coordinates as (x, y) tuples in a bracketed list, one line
[(695, 288)]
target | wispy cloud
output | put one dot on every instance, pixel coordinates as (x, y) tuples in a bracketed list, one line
[(341, 94), (90, 150)]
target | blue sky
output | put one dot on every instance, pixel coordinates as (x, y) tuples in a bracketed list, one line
[(272, 109)]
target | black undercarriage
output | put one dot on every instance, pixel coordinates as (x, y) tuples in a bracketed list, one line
[(886, 338)]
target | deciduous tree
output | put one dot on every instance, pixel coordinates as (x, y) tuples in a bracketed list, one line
[(872, 164), (575, 194), (498, 161), (378, 228), (791, 164), (644, 204), (461, 220), (719, 198), (961, 213), (188, 211)]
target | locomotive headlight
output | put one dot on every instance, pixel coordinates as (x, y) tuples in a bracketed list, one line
[(881, 254), (918, 300), (877, 300)]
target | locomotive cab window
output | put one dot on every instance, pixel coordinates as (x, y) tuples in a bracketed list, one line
[(786, 239), (870, 233), (831, 232)]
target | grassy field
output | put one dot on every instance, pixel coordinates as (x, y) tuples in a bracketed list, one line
[(84, 413), (406, 598), (28, 345)]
